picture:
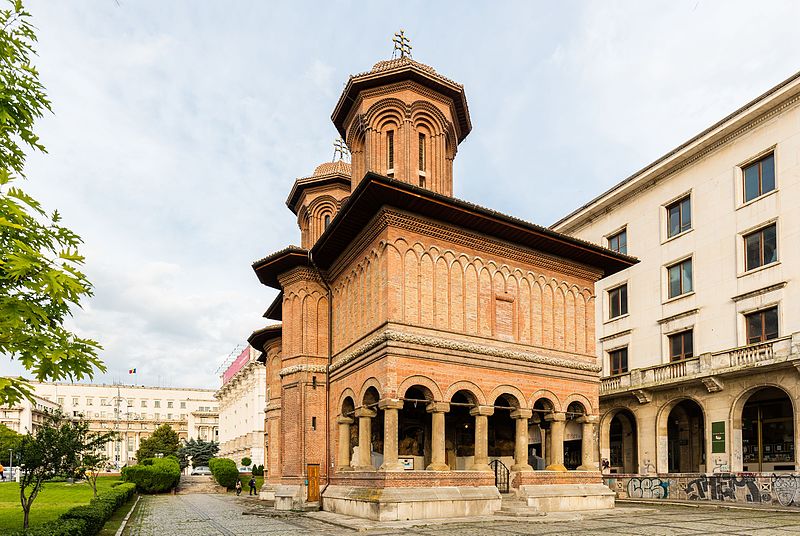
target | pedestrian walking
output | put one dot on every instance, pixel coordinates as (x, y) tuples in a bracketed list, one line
[(252, 485), (2, 473), (238, 487)]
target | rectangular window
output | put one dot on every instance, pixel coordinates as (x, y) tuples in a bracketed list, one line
[(761, 247), (759, 178), (762, 325), (74, 400), (390, 151), (619, 361), (681, 345), (679, 216), (157, 404), (60, 401), (619, 242), (183, 405), (144, 403), (169, 404), (680, 278), (618, 301), (422, 152), (103, 402)]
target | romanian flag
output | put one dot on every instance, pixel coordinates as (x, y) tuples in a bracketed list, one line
[(132, 371)]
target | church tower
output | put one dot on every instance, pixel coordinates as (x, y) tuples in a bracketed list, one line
[(403, 120)]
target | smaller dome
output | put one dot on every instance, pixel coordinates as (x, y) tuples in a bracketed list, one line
[(386, 65), (326, 168)]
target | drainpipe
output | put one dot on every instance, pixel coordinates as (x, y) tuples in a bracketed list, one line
[(327, 380)]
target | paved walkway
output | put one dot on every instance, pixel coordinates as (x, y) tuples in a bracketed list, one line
[(201, 515)]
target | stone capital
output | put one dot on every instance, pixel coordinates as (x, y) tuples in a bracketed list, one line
[(485, 411), (588, 419), (438, 407), (555, 417), (344, 420), (521, 413), (390, 403), (365, 412)]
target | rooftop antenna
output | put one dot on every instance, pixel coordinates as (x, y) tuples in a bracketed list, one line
[(402, 44), (340, 148)]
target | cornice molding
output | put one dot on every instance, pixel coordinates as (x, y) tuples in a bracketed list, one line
[(299, 274), (321, 369), (760, 291), (460, 346)]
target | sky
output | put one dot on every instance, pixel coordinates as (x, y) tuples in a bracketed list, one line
[(180, 127)]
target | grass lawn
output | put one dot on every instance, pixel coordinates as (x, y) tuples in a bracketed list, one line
[(53, 500)]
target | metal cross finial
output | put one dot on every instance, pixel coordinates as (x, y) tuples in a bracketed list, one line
[(402, 44), (340, 148)]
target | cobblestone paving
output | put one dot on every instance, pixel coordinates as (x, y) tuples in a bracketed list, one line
[(201, 515)]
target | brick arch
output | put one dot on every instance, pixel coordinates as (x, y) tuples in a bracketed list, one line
[(424, 381), (465, 385), (576, 397), (347, 393), (549, 395), (371, 382), (508, 390), (390, 106)]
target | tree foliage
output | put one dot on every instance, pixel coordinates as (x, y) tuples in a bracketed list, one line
[(9, 440), (163, 442), (224, 471), (40, 277), (247, 462), (56, 448), (200, 451)]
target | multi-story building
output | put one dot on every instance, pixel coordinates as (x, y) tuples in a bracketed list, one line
[(134, 412), (242, 399), (700, 341), (26, 415)]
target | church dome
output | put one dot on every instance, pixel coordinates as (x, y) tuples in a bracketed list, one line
[(327, 168)]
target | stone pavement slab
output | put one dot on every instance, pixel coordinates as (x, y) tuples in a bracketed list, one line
[(227, 515)]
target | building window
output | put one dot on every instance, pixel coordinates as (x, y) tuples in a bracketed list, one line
[(157, 404), (103, 402), (169, 404), (183, 405), (327, 222), (761, 247), (619, 361), (619, 242), (762, 325), (74, 400), (390, 152), (759, 177), (60, 400), (144, 403), (679, 216), (618, 301), (681, 345), (680, 278)]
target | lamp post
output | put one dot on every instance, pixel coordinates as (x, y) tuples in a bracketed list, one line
[(11, 464)]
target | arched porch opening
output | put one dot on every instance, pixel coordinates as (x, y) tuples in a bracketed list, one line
[(686, 449), (623, 443), (540, 437), (502, 430), (768, 432), (370, 405), (460, 431), (414, 428), (347, 452), (573, 436)]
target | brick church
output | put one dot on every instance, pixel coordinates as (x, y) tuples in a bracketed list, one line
[(432, 354)]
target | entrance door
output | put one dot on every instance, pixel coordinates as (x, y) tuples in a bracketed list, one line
[(313, 482), (501, 475)]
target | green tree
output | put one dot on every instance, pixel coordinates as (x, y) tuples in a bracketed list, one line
[(56, 448), (40, 277), (246, 461), (164, 442), (9, 440), (93, 458), (199, 450)]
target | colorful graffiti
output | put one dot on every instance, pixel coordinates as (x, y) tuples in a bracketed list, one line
[(758, 488)]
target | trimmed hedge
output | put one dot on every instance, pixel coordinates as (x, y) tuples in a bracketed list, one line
[(154, 475), (88, 519), (225, 471)]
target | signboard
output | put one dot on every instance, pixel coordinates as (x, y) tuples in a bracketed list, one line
[(237, 365), (718, 437)]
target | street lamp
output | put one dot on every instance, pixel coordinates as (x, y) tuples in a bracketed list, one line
[(11, 464)]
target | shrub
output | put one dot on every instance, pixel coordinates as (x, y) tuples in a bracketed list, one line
[(66, 527), (224, 471), (258, 470), (155, 475), (246, 461)]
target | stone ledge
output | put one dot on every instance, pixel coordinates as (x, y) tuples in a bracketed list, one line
[(568, 497)]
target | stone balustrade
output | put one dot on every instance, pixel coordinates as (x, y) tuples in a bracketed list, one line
[(709, 364)]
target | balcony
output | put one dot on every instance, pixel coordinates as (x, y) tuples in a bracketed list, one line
[(704, 368)]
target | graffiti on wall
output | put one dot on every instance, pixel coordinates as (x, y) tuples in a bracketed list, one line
[(763, 488)]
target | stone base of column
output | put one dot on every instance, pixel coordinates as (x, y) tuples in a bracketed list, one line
[(341, 468), (438, 467), (481, 467), (392, 466), (556, 467), (364, 468), (521, 467), (588, 468)]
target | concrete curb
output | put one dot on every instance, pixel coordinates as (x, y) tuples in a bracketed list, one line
[(127, 516), (706, 504)]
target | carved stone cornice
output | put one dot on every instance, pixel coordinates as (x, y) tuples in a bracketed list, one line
[(301, 273), (460, 346), (321, 369)]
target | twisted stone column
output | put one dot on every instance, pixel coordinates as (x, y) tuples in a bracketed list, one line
[(481, 414), (437, 411), (557, 424), (365, 416), (588, 443), (344, 443), (390, 406), (521, 417)]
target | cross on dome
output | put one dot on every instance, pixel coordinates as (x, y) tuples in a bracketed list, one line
[(340, 148), (402, 44)]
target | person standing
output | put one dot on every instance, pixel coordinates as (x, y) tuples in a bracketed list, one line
[(238, 487), (252, 485), (2, 473)]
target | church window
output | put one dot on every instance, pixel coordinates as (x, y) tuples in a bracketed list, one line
[(422, 160), (327, 220), (390, 152)]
